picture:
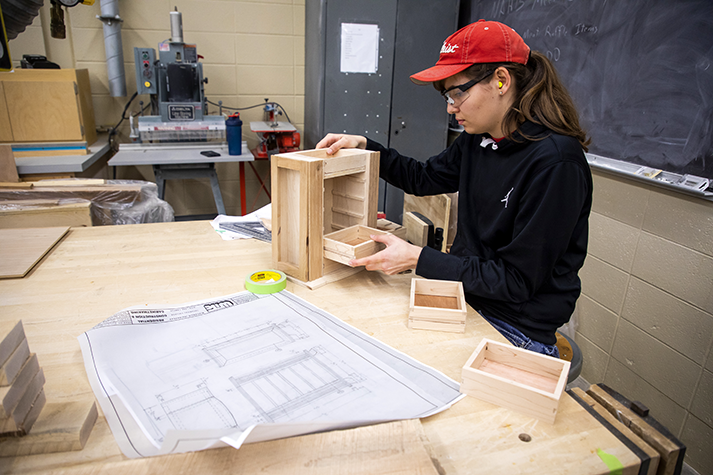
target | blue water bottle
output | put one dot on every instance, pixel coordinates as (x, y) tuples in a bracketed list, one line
[(234, 134)]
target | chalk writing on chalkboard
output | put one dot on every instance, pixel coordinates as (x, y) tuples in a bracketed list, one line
[(640, 72)]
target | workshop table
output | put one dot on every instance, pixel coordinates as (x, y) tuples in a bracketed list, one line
[(95, 272), (185, 161), (78, 166)]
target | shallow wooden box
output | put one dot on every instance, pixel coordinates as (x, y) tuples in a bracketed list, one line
[(437, 305), (515, 378), (350, 243)]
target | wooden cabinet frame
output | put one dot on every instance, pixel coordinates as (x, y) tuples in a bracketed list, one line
[(314, 194)]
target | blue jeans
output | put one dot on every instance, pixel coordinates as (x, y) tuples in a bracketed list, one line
[(517, 338)]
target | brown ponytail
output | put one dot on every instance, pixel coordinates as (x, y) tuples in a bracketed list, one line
[(540, 97)]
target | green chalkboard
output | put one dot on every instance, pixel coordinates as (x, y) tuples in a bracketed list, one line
[(640, 72)]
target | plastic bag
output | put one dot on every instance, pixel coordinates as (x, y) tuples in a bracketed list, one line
[(112, 201)]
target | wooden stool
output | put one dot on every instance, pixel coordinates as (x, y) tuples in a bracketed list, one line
[(569, 351)]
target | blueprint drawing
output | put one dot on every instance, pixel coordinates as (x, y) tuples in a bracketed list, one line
[(180, 378)]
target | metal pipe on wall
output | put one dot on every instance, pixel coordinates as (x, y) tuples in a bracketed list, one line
[(113, 47)]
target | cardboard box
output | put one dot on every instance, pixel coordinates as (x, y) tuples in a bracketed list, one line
[(515, 378)]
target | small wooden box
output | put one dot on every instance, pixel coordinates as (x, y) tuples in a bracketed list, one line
[(350, 243), (437, 305), (515, 378)]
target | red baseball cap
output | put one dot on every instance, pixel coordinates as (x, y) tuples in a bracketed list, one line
[(479, 42)]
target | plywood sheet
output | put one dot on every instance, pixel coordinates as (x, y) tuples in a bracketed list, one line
[(21, 249)]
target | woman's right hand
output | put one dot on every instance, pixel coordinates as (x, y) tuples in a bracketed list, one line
[(334, 142)]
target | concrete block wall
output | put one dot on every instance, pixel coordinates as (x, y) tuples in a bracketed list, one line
[(251, 50), (645, 317)]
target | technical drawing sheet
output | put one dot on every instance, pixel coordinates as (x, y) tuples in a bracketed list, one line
[(246, 368)]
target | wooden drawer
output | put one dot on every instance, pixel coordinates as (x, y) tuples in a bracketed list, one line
[(515, 378), (350, 243)]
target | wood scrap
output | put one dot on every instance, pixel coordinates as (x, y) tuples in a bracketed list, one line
[(60, 427), (69, 182), (436, 208), (22, 248), (20, 185), (8, 168), (45, 213), (651, 458), (21, 419), (671, 449), (10, 395), (416, 230), (11, 335), (12, 366)]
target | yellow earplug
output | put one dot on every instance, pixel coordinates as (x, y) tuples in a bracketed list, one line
[(500, 84)]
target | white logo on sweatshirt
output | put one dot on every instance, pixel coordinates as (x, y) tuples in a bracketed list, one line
[(507, 198), (448, 48)]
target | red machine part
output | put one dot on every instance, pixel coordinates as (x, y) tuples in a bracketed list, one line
[(284, 142)]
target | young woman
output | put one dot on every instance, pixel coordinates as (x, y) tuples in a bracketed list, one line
[(525, 188)]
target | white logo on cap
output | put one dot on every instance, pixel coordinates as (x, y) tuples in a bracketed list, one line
[(448, 48)]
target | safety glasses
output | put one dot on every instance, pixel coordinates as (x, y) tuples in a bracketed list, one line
[(456, 95)]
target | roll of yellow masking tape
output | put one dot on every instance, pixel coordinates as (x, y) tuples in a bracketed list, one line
[(266, 282)]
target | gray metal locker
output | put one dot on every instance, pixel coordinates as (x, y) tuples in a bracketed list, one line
[(384, 106)]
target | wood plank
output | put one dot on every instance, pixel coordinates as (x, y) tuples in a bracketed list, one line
[(10, 395), (11, 335), (650, 457), (416, 230), (671, 449), (60, 427), (391, 448), (8, 168), (451, 327), (70, 182), (372, 189), (314, 180), (12, 366), (70, 213), (21, 418), (437, 208), (17, 186), (22, 248)]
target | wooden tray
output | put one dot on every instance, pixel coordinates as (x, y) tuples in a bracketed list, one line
[(350, 243), (515, 378), (437, 305)]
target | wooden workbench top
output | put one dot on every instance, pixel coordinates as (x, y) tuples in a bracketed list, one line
[(95, 272)]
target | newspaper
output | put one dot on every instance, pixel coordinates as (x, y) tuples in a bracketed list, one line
[(246, 368)]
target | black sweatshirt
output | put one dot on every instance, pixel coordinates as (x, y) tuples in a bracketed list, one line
[(523, 209)]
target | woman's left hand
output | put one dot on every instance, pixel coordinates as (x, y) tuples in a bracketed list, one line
[(399, 256)]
